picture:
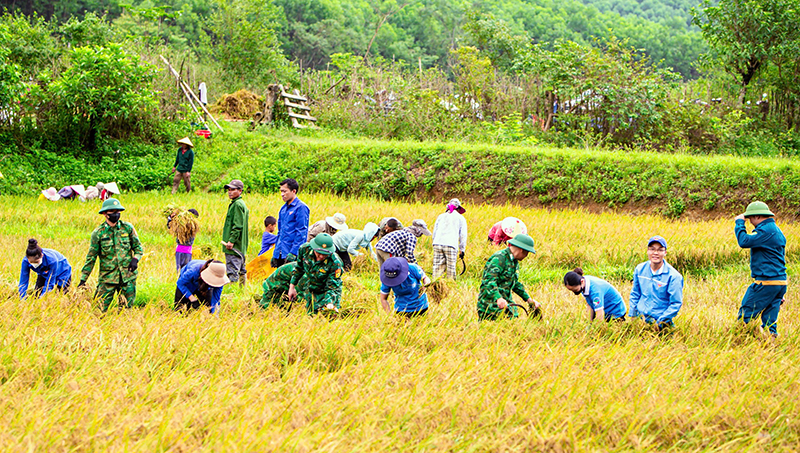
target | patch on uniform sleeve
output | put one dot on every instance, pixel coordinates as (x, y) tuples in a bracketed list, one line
[(338, 273)]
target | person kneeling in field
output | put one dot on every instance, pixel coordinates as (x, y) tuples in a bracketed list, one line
[(52, 270), (317, 278), (201, 282), (406, 280), (603, 300), (767, 247), (500, 279), (657, 293), (276, 287)]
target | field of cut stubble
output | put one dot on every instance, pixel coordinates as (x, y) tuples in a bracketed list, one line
[(146, 379)]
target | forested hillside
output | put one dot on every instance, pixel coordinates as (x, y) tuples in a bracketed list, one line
[(421, 31)]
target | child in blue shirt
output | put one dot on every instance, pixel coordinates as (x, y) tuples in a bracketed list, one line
[(405, 280), (269, 238), (603, 300)]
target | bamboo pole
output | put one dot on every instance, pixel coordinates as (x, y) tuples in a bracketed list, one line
[(187, 91)]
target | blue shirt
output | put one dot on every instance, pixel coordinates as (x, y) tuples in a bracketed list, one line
[(292, 228), (189, 283), (406, 294), (600, 295), (267, 241), (54, 268), (656, 296), (767, 247)]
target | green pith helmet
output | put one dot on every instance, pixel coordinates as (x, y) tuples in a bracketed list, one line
[(758, 208), (322, 244), (112, 204), (524, 242)]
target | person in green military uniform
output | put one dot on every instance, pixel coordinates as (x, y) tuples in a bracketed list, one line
[(234, 233), (276, 287), (116, 244), (500, 279), (317, 278)]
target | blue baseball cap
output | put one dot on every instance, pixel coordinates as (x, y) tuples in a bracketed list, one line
[(658, 239)]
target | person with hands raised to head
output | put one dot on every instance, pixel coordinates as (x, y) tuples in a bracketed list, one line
[(52, 270), (116, 246), (500, 278)]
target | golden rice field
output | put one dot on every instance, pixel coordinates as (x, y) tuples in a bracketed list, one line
[(147, 379)]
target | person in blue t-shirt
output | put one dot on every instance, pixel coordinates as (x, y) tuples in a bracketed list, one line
[(52, 268), (603, 300), (406, 281), (269, 238)]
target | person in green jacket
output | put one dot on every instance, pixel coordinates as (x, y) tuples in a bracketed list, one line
[(183, 165), (116, 245), (276, 287), (234, 233), (317, 278), (500, 279)]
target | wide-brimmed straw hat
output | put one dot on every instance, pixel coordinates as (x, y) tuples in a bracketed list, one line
[(51, 194), (513, 226), (186, 141), (394, 271), (215, 274), (337, 221), (111, 187)]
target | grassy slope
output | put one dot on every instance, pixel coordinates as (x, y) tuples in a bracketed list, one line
[(147, 379)]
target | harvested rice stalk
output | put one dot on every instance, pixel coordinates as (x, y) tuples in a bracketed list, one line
[(182, 223)]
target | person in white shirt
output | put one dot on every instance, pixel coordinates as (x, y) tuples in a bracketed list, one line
[(449, 239)]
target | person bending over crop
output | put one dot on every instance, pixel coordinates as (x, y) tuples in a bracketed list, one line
[(406, 280), (348, 242), (330, 225), (657, 293), (317, 278), (52, 270), (201, 282), (402, 242), (767, 247), (116, 245), (387, 225), (276, 287), (603, 301), (500, 279), (502, 231)]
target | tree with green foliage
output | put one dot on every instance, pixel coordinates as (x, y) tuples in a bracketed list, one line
[(745, 35)]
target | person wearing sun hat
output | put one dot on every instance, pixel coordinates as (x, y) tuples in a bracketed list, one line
[(405, 280), (767, 247), (502, 231), (449, 239), (201, 282), (500, 279), (317, 277), (330, 225), (183, 165), (116, 245), (657, 292)]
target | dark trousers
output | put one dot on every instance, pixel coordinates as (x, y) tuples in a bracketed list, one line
[(413, 314), (41, 281), (762, 301), (347, 264), (182, 302)]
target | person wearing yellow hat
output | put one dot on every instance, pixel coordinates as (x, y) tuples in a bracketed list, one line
[(767, 247), (201, 282), (183, 165), (317, 277)]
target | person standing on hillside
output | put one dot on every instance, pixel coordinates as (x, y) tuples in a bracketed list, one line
[(183, 165), (52, 270), (317, 278), (449, 239), (330, 225), (657, 293), (603, 301), (116, 245), (234, 233), (292, 224), (767, 247), (401, 243), (500, 278)]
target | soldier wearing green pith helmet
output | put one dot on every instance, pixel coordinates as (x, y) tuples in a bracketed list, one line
[(116, 244), (500, 279), (317, 277)]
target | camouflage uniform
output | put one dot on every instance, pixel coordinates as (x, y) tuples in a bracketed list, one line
[(499, 279), (277, 285), (114, 246), (318, 283)]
